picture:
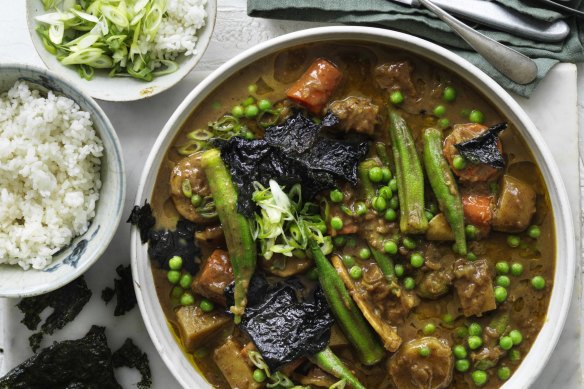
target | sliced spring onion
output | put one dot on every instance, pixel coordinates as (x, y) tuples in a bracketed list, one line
[(117, 15), (171, 67), (56, 32), (190, 147), (200, 134), (84, 56)]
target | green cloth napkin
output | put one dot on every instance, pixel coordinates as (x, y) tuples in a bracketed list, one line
[(423, 23)]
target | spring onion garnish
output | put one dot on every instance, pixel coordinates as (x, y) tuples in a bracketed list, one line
[(106, 34), (278, 380), (285, 222)]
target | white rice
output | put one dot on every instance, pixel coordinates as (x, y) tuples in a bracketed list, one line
[(50, 159), (177, 33)]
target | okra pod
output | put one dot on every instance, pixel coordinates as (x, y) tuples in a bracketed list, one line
[(385, 263), (329, 362), (410, 177), (444, 186), (366, 188), (240, 243), (349, 317)]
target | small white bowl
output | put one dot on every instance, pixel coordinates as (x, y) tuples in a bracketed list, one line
[(535, 360), (102, 86), (84, 250)]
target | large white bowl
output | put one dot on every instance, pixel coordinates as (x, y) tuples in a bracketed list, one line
[(107, 88), (543, 346), (84, 250)]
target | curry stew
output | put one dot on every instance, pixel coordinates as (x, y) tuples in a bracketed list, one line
[(386, 179)]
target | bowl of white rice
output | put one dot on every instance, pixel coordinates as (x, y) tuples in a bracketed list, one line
[(180, 36), (62, 182)]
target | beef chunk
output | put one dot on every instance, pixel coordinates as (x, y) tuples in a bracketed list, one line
[(214, 276), (356, 113), (474, 285), (396, 76)]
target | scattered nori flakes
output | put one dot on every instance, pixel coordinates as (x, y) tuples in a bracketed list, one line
[(483, 148), (142, 218), (165, 244), (292, 152), (35, 340), (131, 356), (123, 290), (84, 363), (282, 325), (66, 302)]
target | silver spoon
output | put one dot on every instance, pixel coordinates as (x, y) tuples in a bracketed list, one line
[(512, 64)]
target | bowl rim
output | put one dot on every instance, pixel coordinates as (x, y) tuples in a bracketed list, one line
[(116, 153), (560, 299), (211, 8)]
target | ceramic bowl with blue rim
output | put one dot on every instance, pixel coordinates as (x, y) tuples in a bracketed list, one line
[(84, 250)]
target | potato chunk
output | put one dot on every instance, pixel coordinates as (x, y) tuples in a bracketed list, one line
[(196, 327), (215, 274), (235, 369), (515, 206)]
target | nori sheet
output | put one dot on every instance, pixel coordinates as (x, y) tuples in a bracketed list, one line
[(483, 148), (123, 290)]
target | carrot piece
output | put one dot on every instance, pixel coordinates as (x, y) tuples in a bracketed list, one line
[(477, 209), (316, 85)]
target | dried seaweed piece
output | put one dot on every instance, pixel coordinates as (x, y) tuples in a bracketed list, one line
[(165, 244), (82, 363), (290, 153), (123, 290), (141, 216), (484, 148), (283, 325), (131, 356), (66, 302)]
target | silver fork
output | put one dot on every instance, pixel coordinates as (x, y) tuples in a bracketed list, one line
[(561, 6)]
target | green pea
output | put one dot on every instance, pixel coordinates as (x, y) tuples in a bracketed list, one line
[(474, 342), (416, 260), (206, 305), (390, 215), (516, 269), (399, 270), (516, 337), (462, 365), (475, 329), (386, 174), (500, 294), (375, 174), (379, 204), (186, 188), (187, 299), (247, 102), (409, 283), (186, 280), (513, 241), (394, 203), (313, 274), (364, 253), (506, 343), (251, 111), (252, 89), (514, 355), (504, 373), (248, 135), (443, 123), (336, 196), (471, 231), (175, 263), (476, 116), (385, 192), (461, 332), (264, 104), (424, 351), (336, 223), (459, 162), (448, 318), (479, 377), (173, 276), (340, 240), (449, 94), (534, 232), (259, 375), (396, 97), (409, 243), (196, 200), (351, 242), (471, 256), (439, 110), (237, 111), (538, 282), (429, 329), (459, 351), (393, 184), (360, 208), (502, 267), (176, 292), (503, 281), (355, 272)]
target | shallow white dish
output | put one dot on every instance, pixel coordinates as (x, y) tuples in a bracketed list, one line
[(107, 88), (86, 249), (540, 352)]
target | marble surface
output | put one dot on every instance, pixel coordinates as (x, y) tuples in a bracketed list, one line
[(554, 108)]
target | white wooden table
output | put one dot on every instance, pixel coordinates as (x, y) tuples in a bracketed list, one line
[(553, 108)]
